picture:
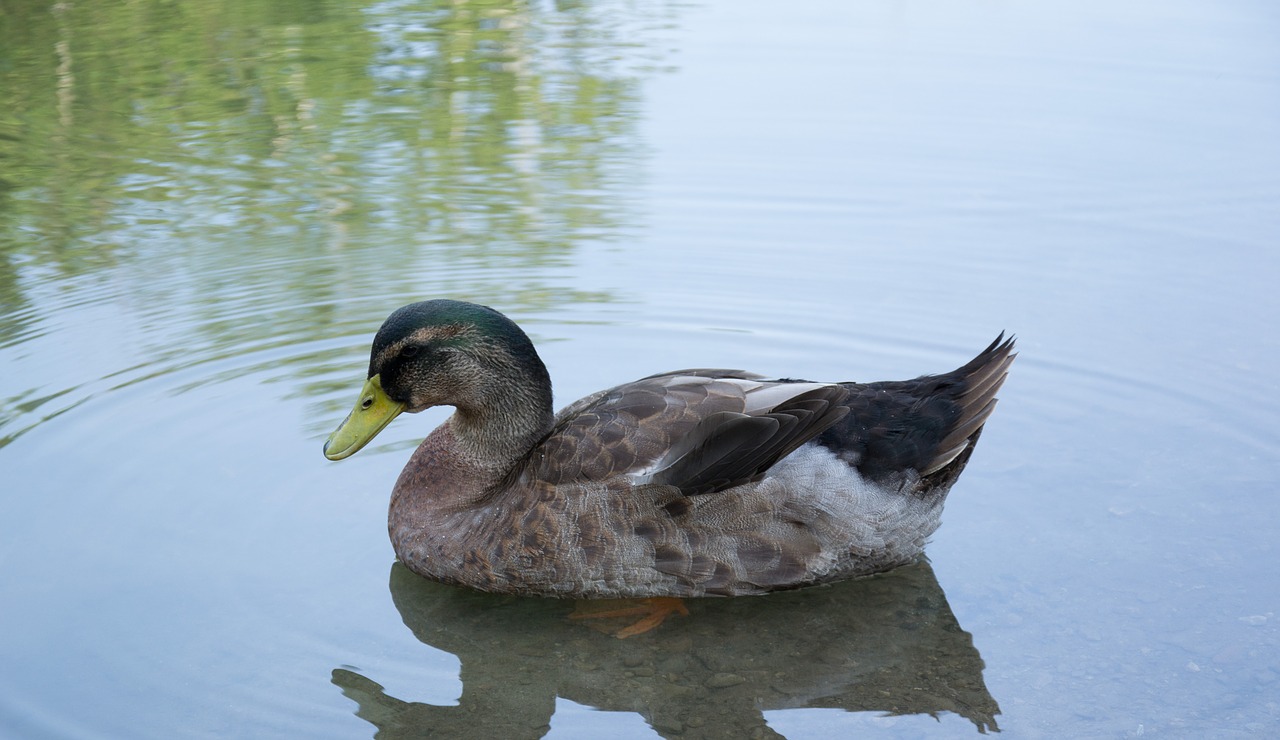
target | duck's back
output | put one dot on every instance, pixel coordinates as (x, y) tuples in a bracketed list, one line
[(707, 430)]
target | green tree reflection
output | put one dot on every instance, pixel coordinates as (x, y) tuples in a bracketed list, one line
[(504, 127)]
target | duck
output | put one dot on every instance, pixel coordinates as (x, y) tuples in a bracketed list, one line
[(690, 483)]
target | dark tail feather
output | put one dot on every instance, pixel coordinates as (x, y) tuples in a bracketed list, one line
[(980, 379), (926, 426)]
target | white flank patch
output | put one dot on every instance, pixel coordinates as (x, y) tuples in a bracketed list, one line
[(848, 508)]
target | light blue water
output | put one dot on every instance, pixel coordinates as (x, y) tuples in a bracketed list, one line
[(205, 215)]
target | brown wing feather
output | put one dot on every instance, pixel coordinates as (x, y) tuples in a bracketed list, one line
[(729, 449), (689, 429), (629, 427)]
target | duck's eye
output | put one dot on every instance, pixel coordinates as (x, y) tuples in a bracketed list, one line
[(410, 350)]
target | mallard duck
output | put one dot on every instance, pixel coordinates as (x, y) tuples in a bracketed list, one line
[(700, 482)]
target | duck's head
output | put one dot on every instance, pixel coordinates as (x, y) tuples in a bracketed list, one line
[(440, 353)]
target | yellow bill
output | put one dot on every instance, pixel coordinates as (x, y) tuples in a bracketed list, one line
[(373, 412)]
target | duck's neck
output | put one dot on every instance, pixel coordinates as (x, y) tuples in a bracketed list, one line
[(500, 426)]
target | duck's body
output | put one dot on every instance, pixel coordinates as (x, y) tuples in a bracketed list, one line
[(692, 483)]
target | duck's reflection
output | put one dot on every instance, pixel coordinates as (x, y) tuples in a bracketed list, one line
[(885, 644)]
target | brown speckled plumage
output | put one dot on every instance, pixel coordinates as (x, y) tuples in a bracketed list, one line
[(691, 483)]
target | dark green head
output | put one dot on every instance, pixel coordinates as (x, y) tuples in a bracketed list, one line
[(444, 353), (431, 351)]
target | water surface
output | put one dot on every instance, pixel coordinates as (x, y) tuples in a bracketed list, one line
[(206, 209)]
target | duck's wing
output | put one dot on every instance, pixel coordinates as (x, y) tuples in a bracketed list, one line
[(700, 430)]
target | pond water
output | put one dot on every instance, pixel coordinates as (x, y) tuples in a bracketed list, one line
[(207, 208)]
